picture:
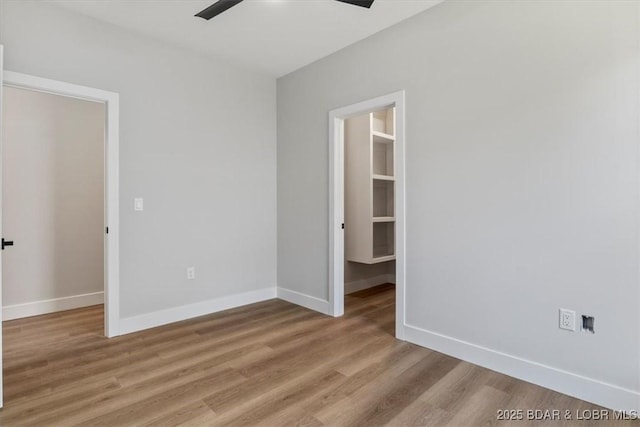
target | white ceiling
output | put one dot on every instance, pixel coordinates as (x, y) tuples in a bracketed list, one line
[(273, 36)]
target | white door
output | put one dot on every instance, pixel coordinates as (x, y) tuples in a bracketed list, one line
[(1, 80)]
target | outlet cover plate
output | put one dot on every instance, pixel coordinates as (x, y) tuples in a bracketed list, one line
[(567, 319)]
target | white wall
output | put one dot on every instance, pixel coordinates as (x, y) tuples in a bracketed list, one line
[(53, 200), (197, 142), (521, 182), (357, 275)]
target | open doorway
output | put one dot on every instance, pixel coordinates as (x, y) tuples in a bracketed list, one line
[(367, 255), (64, 195), (53, 203), (369, 232)]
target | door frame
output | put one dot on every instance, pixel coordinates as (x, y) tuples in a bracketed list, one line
[(336, 201), (111, 159)]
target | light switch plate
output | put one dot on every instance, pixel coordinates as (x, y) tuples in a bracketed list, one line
[(138, 204)]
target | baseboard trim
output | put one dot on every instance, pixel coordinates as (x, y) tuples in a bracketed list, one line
[(175, 314), (588, 389), (304, 300), (362, 284), (36, 308)]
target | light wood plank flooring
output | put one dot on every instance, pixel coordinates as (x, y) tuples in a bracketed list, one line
[(270, 363)]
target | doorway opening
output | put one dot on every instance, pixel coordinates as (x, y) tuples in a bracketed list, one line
[(367, 223), (53, 203), (60, 185)]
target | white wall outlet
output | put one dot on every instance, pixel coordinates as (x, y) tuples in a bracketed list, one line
[(567, 319), (191, 273), (138, 204)]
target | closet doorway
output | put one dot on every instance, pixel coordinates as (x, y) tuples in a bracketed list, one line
[(367, 211)]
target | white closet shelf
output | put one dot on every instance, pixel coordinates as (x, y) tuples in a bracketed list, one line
[(383, 177), (383, 259), (384, 219), (369, 187), (382, 137)]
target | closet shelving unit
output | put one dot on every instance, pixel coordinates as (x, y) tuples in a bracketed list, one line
[(369, 187)]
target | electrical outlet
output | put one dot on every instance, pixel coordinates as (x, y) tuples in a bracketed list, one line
[(191, 273), (567, 319), (138, 204)]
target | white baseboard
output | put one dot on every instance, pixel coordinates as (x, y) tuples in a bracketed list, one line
[(588, 389), (36, 308), (176, 314), (359, 285), (304, 300)]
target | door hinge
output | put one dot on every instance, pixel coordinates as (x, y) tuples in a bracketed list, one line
[(106, 230), (343, 225)]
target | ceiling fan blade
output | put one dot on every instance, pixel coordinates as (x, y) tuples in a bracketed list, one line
[(217, 8), (361, 3)]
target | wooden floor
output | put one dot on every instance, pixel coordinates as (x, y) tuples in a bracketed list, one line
[(271, 363)]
